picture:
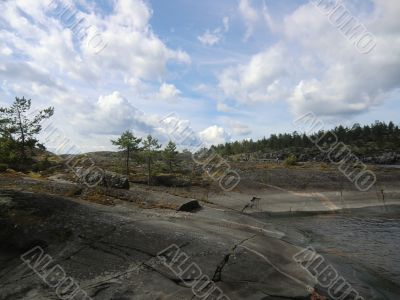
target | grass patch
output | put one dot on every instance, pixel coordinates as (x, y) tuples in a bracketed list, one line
[(35, 175), (99, 199)]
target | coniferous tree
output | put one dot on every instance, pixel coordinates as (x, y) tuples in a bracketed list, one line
[(130, 144), (364, 140), (150, 146), (171, 156), (19, 128)]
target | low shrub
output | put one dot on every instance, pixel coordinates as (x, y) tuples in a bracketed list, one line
[(3, 167), (170, 180), (291, 160), (41, 166)]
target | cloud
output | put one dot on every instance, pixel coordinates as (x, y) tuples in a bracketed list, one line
[(111, 114), (169, 92), (256, 16), (214, 135), (223, 107), (273, 27), (346, 82), (134, 14), (22, 71), (259, 79), (240, 129), (249, 15), (66, 49), (226, 21), (133, 48), (6, 51), (209, 38), (306, 65), (315, 67), (45, 55)]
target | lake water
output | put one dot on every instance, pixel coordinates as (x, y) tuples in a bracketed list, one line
[(363, 246)]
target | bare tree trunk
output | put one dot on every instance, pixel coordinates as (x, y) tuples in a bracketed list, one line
[(22, 149), (149, 170), (127, 161)]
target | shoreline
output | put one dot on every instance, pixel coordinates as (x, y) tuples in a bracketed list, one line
[(367, 210), (107, 231)]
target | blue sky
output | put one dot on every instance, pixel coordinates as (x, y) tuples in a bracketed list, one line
[(232, 69)]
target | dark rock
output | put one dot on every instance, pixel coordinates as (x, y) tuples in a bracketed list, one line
[(191, 206), (116, 181), (170, 181)]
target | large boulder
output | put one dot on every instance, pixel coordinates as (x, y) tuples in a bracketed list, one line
[(96, 177), (115, 180), (191, 206), (169, 180)]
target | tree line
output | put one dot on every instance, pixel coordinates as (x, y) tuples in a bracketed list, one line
[(364, 140)]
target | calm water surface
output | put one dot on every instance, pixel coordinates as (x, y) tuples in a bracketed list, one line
[(371, 242)]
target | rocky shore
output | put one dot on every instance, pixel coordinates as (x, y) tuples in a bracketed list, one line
[(112, 251), (112, 242)]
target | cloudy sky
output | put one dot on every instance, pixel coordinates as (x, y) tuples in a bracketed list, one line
[(232, 69)]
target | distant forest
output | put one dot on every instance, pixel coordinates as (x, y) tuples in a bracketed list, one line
[(371, 139)]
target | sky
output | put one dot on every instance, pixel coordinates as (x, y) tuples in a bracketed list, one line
[(229, 69)]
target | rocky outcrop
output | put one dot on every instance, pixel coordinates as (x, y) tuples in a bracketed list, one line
[(170, 181), (387, 158), (94, 177), (113, 253)]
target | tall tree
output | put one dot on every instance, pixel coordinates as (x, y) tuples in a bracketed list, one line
[(130, 144), (150, 146), (171, 156), (16, 123)]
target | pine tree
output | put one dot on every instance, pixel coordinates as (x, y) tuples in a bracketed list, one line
[(130, 144), (17, 125), (171, 156), (150, 146)]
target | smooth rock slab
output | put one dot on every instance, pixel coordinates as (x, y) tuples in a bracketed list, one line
[(111, 252)]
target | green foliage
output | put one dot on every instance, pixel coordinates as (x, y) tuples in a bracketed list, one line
[(170, 156), (19, 126), (41, 165), (3, 167), (364, 140), (150, 146), (8, 149), (291, 160), (129, 143)]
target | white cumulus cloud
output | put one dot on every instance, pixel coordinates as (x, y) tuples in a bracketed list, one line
[(169, 92), (214, 135), (259, 79), (347, 81)]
